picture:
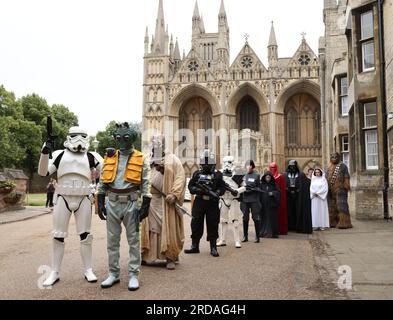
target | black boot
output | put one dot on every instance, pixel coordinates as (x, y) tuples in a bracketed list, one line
[(245, 231), (256, 224), (194, 247), (213, 248)]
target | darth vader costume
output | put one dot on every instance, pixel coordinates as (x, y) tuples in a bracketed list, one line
[(298, 199)]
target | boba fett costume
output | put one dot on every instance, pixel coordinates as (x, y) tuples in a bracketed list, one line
[(124, 182)]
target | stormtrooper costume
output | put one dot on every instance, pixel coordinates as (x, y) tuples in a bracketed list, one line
[(230, 212), (73, 195)]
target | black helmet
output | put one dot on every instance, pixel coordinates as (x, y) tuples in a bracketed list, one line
[(207, 161), (293, 166)]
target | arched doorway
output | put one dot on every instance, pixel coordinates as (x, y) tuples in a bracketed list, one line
[(248, 123), (195, 128), (247, 114), (302, 122)]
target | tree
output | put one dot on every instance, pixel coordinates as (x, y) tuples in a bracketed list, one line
[(63, 119), (8, 105), (35, 109), (11, 152), (23, 128), (29, 137), (106, 139)]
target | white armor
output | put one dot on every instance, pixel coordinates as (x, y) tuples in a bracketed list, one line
[(230, 213), (72, 195)]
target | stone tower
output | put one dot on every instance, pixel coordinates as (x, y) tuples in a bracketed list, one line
[(238, 107)]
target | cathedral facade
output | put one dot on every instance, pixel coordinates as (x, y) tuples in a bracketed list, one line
[(203, 99)]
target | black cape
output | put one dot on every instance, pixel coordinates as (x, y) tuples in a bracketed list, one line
[(299, 205), (270, 200)]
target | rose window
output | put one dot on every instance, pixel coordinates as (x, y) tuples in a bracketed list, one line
[(304, 60), (193, 66), (247, 62)]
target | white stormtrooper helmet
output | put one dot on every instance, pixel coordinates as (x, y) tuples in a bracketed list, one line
[(228, 164), (77, 140)]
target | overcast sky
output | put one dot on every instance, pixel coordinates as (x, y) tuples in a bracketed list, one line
[(88, 54)]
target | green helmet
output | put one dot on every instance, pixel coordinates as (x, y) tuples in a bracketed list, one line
[(125, 136)]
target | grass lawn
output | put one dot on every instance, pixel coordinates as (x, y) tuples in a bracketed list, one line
[(36, 199)]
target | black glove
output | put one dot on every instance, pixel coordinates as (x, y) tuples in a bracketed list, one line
[(144, 210), (197, 191), (48, 147), (101, 206)]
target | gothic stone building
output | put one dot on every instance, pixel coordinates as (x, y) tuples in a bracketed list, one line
[(276, 109), (355, 91)]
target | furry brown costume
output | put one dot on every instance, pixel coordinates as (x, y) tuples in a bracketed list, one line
[(339, 184)]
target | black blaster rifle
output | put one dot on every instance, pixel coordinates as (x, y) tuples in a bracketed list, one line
[(50, 136), (202, 185), (254, 189), (234, 192)]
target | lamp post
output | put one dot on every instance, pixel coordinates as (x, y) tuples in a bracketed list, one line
[(95, 144)]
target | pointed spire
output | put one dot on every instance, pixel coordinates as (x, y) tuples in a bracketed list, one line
[(272, 38), (222, 10), (176, 54), (196, 11), (202, 25), (184, 54), (272, 48), (160, 29), (147, 41), (171, 47), (196, 22), (160, 10), (222, 19)]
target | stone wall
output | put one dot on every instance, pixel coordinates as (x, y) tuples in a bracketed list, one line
[(368, 204), (388, 26), (38, 184), (10, 201)]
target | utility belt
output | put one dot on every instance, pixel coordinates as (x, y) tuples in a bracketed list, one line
[(123, 195), (206, 198)]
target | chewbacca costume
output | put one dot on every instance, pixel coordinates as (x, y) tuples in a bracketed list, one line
[(339, 184)]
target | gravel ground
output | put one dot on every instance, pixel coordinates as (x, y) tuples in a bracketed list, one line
[(285, 268)]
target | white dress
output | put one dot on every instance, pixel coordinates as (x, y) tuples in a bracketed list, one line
[(319, 206)]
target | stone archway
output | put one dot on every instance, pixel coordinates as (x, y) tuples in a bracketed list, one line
[(249, 98), (247, 114), (195, 129), (194, 107), (284, 108), (193, 91), (244, 90)]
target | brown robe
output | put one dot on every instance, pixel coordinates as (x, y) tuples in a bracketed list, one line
[(170, 238)]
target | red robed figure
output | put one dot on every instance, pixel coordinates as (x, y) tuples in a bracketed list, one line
[(282, 213)]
